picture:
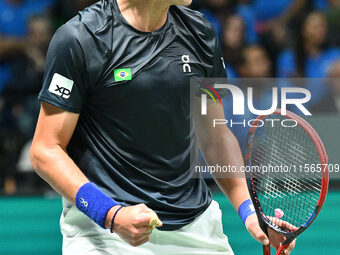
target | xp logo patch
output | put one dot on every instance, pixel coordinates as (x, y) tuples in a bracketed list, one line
[(61, 86), (123, 74)]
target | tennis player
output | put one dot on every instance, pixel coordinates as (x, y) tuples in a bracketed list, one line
[(113, 136)]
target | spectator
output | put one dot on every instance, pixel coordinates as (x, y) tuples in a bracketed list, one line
[(20, 105), (245, 10), (233, 42), (331, 102), (311, 57), (254, 63), (269, 14), (28, 71), (215, 11), (269, 20), (14, 15)]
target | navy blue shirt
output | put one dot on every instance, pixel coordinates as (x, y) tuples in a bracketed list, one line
[(131, 88)]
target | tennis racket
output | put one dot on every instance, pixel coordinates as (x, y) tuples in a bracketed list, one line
[(287, 174)]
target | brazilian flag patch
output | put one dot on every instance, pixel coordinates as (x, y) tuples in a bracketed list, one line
[(123, 74)]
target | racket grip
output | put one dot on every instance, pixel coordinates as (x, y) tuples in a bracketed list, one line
[(282, 247), (266, 249)]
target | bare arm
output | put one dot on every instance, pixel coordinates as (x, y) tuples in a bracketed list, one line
[(48, 153), (219, 146), (50, 160)]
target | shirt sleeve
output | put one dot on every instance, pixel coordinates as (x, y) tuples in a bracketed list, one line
[(65, 84), (219, 69), (217, 65)]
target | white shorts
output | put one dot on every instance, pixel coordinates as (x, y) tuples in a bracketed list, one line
[(203, 236)]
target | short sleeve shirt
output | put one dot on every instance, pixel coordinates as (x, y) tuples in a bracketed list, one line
[(130, 89)]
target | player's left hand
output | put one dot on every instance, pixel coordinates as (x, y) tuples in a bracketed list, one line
[(275, 239)]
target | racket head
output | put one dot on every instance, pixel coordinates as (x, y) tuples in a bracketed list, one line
[(296, 198)]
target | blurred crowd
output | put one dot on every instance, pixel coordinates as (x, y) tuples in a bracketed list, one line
[(26, 28), (259, 38)]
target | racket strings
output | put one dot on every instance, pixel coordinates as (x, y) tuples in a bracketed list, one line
[(292, 188), (300, 212)]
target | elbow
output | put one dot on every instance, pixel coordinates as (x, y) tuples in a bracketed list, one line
[(43, 156), (35, 156), (212, 147), (39, 155)]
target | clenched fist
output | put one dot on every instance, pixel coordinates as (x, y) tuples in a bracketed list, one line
[(134, 224)]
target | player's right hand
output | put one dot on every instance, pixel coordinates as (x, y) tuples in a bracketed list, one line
[(275, 239), (132, 224)]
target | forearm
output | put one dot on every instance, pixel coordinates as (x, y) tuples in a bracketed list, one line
[(226, 152), (235, 189), (54, 165)]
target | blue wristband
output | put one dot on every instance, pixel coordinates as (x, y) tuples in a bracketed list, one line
[(94, 203), (245, 210)]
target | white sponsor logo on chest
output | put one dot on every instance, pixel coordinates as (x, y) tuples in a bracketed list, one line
[(186, 64)]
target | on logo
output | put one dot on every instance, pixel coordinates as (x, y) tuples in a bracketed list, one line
[(186, 66), (61, 86), (84, 202)]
